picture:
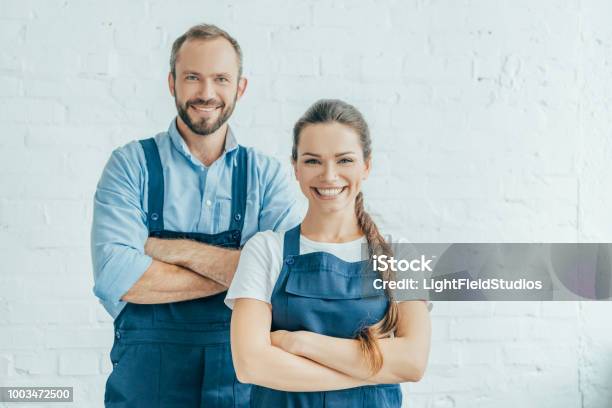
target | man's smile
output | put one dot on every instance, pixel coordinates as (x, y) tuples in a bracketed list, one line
[(205, 108)]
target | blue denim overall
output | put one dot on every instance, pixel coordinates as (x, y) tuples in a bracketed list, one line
[(321, 293), (178, 354)]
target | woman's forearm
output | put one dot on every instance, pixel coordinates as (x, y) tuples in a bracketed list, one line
[(275, 368), (258, 361), (402, 360), (404, 356)]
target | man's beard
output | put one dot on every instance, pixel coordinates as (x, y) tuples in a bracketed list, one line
[(201, 127)]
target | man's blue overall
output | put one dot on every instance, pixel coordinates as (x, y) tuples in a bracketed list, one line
[(178, 354)]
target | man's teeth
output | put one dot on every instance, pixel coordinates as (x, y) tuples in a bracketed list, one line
[(329, 191), (205, 109)]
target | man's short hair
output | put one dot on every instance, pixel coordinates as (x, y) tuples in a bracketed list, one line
[(203, 32)]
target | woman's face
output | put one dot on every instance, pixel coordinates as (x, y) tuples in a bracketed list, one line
[(330, 166)]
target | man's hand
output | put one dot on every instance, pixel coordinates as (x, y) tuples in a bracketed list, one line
[(218, 264), (153, 248)]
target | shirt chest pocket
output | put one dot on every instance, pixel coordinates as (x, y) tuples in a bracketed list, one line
[(221, 215)]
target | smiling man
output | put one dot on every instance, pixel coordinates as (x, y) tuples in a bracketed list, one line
[(170, 215)]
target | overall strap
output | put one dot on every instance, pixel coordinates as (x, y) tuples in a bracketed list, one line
[(239, 190), (155, 199), (291, 245)]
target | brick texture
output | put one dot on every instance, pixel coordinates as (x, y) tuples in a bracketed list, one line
[(490, 119)]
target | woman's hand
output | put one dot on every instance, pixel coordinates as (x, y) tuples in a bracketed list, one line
[(291, 342)]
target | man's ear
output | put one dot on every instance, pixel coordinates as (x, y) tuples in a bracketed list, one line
[(242, 86), (171, 83)]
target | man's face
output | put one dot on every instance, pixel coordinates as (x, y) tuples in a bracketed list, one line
[(207, 85)]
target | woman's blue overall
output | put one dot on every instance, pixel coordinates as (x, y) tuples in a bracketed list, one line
[(321, 293)]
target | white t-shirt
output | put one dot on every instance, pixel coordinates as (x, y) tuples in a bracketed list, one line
[(261, 261)]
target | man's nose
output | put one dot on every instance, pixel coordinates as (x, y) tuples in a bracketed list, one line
[(207, 90)]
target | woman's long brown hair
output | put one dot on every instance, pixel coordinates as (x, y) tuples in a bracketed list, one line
[(330, 111)]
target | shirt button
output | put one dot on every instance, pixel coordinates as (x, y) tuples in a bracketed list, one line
[(208, 203), (118, 334)]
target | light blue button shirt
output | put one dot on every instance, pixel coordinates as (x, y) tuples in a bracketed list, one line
[(196, 199)]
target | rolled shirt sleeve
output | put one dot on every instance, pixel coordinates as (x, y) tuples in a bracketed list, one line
[(280, 209), (119, 229)]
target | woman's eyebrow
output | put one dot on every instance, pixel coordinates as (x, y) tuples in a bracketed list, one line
[(318, 155)]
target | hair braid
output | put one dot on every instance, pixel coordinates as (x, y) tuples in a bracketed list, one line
[(376, 246)]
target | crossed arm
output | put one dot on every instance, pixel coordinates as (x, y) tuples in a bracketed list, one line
[(306, 361), (180, 269), (183, 270)]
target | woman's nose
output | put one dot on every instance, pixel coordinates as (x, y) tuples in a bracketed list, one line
[(329, 173)]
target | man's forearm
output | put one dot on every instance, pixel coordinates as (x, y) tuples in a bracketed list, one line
[(218, 264), (165, 283)]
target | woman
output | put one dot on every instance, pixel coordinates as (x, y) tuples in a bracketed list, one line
[(306, 316)]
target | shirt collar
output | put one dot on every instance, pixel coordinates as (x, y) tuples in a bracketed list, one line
[(231, 142)]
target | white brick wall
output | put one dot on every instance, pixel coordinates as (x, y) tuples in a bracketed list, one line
[(491, 122)]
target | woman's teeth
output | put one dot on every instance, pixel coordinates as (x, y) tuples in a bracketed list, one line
[(329, 192)]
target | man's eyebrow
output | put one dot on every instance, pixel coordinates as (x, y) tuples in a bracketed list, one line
[(190, 72)]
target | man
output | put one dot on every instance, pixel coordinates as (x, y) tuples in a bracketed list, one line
[(170, 214)]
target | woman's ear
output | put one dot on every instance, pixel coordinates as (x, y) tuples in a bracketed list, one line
[(367, 167), (295, 170)]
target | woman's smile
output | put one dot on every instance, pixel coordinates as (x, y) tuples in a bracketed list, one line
[(328, 193)]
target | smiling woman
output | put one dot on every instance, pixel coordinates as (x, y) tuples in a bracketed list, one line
[(330, 166), (308, 327)]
